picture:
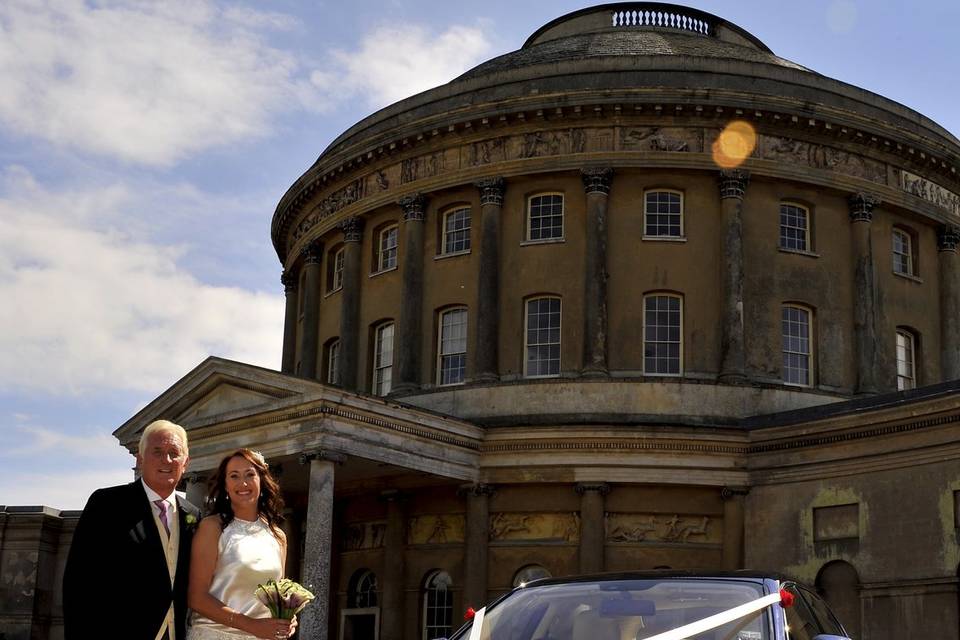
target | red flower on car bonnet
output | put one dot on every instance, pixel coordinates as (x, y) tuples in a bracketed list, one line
[(786, 598), (469, 614)]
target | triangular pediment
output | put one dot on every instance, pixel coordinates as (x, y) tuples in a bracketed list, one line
[(219, 390)]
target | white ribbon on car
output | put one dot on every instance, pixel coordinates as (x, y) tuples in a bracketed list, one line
[(477, 624), (680, 633), (716, 620)]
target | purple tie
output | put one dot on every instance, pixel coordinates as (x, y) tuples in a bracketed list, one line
[(162, 505)]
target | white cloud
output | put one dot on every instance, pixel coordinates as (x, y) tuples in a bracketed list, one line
[(44, 440), (60, 489), (92, 307), (397, 61), (146, 82)]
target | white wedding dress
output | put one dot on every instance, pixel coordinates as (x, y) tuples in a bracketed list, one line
[(249, 554)]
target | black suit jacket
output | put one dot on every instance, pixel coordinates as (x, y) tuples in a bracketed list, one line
[(116, 583)]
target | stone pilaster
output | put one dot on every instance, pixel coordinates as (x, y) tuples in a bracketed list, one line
[(197, 489), (592, 529), (487, 344), (733, 186), (392, 610), (733, 527), (596, 184), (350, 302), (948, 241), (314, 621), (288, 361), (310, 331), (477, 541), (865, 334), (408, 344)]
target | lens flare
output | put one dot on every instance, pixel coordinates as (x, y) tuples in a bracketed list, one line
[(734, 145)]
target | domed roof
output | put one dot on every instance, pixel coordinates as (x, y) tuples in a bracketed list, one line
[(634, 29)]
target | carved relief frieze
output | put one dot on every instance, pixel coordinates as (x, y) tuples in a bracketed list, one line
[(359, 536), (426, 166), (486, 151), (818, 156), (535, 527), (537, 144), (436, 529), (661, 139), (330, 205), (660, 528), (930, 191)]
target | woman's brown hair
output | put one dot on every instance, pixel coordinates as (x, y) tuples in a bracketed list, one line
[(270, 502)]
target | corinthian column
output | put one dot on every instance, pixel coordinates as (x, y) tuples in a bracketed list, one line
[(288, 362), (310, 332), (592, 532), (733, 185), (488, 284), (411, 296), (477, 540), (596, 184), (391, 628), (864, 292), (949, 238), (350, 302)]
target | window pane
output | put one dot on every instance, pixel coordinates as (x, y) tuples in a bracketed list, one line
[(662, 335), (545, 217), (906, 373), (453, 346), (794, 227), (543, 337), (662, 214), (383, 360), (456, 231), (795, 329), (387, 258)]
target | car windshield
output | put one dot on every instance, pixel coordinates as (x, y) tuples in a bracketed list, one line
[(623, 610)]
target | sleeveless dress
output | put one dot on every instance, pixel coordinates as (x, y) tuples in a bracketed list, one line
[(248, 555)]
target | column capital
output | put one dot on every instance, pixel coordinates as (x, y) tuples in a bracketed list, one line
[(861, 206), (948, 238), (600, 487), (477, 489), (289, 281), (733, 183), (491, 190), (729, 493), (312, 252), (413, 207), (352, 229), (322, 454), (596, 179)]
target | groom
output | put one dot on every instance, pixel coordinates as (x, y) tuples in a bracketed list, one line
[(128, 566)]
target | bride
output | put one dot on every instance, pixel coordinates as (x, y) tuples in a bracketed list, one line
[(236, 548)]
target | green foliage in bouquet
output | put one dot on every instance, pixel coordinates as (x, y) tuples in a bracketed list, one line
[(285, 598)]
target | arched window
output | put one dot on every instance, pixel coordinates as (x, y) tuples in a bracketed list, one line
[(452, 347), (542, 338), (662, 335), (362, 592), (838, 584), (906, 359), (794, 227), (795, 323), (437, 605), (333, 361), (529, 573), (456, 231), (663, 214), (904, 258), (385, 249), (545, 217), (382, 359)]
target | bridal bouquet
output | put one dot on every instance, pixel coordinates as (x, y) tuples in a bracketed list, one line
[(285, 598)]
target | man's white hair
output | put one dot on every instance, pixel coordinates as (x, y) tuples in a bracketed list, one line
[(162, 426)]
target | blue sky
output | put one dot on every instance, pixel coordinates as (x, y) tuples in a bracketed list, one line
[(144, 146)]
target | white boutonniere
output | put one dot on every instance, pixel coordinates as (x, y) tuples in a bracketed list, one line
[(191, 520)]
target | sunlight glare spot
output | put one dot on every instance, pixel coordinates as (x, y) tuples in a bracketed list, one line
[(734, 144)]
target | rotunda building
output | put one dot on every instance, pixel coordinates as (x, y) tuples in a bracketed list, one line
[(640, 294)]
